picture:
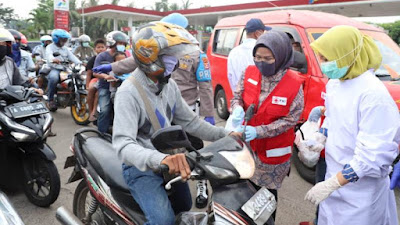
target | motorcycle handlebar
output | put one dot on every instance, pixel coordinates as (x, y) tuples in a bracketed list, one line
[(162, 169)]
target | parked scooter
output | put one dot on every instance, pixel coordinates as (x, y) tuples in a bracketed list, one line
[(25, 124), (8, 215), (71, 91), (103, 197)]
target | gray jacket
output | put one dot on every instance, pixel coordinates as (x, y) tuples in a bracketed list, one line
[(185, 77), (132, 127), (12, 71)]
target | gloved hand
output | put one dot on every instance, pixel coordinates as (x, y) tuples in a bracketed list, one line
[(210, 120), (315, 114), (237, 116), (322, 190), (105, 68), (395, 180), (251, 132)]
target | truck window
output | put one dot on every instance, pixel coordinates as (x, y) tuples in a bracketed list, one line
[(224, 41)]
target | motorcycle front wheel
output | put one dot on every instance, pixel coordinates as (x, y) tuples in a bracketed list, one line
[(41, 181), (80, 116), (83, 203)]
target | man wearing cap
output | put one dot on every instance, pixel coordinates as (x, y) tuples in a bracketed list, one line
[(241, 56)]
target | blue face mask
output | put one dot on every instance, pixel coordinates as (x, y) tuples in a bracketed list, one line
[(85, 44), (121, 48), (332, 70)]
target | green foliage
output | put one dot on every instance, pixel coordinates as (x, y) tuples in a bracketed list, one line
[(42, 17), (6, 14), (394, 30)]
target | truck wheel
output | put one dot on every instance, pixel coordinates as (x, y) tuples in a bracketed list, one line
[(222, 107), (305, 172)]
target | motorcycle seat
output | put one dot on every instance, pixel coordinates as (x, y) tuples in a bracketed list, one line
[(105, 161)]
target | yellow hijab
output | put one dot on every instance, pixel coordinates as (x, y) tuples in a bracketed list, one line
[(347, 45)]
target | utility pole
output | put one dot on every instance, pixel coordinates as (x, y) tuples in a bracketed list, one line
[(83, 17)]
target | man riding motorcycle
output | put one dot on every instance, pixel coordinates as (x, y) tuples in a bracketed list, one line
[(60, 37), (39, 52), (192, 86), (9, 72), (149, 100), (21, 57), (84, 52)]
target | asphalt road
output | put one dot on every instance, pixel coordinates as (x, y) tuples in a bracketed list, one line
[(292, 208)]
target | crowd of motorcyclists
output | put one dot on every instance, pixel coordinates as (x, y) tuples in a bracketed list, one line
[(159, 77)]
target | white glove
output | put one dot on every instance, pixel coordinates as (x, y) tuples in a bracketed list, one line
[(322, 190)]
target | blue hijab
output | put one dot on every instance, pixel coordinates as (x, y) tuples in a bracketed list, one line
[(16, 53)]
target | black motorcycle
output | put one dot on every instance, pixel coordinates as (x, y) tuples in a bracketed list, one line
[(102, 197), (25, 124), (71, 91)]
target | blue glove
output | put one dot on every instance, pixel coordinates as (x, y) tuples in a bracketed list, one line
[(315, 114), (251, 132), (237, 116), (105, 68), (210, 120), (395, 181)]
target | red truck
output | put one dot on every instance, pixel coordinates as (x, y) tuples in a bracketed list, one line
[(303, 27)]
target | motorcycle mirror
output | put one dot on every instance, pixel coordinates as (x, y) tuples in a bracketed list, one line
[(249, 113), (55, 54), (170, 138)]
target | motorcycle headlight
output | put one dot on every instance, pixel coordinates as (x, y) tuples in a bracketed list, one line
[(21, 136), (16, 126), (82, 77)]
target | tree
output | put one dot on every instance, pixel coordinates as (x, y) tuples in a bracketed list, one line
[(394, 30), (43, 17), (186, 4), (173, 7), (6, 14)]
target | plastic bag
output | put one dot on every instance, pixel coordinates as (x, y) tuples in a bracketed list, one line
[(304, 139), (230, 126), (192, 218)]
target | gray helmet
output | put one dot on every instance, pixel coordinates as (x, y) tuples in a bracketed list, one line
[(115, 36), (84, 38)]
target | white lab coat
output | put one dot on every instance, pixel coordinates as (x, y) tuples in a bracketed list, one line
[(363, 131)]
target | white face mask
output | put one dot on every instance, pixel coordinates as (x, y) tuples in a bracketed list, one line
[(121, 48)]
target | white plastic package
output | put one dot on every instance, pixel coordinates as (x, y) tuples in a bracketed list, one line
[(230, 126), (309, 143)]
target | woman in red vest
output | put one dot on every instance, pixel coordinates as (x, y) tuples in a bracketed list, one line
[(277, 94)]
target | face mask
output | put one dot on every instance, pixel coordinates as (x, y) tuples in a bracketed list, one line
[(85, 44), (3, 52), (120, 48), (331, 70), (265, 68), (16, 46), (169, 64)]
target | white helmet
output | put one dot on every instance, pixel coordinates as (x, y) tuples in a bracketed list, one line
[(115, 36), (6, 35), (46, 38), (84, 38)]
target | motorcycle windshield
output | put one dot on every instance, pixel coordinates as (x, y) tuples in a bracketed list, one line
[(8, 215), (242, 160), (235, 152)]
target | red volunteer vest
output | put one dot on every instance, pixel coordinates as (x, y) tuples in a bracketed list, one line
[(275, 150)]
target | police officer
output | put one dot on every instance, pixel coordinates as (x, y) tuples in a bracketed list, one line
[(193, 77)]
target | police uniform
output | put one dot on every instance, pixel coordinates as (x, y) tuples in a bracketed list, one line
[(191, 80)]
